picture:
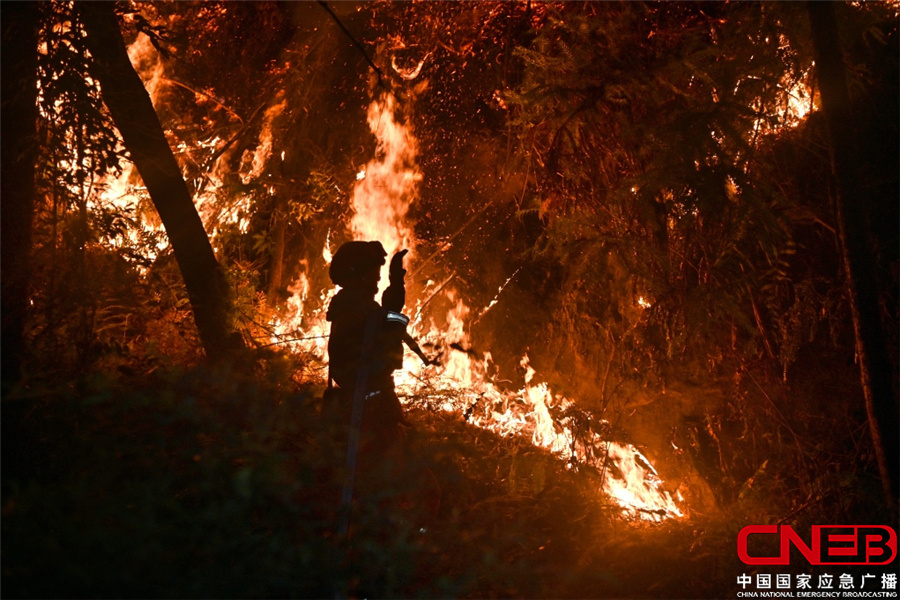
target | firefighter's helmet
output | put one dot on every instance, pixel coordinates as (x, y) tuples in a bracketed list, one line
[(354, 259)]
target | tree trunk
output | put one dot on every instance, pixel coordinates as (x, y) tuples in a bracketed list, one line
[(133, 113), (17, 189), (276, 269), (874, 366)]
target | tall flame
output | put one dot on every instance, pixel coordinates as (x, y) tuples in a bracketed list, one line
[(381, 198), (387, 185), (383, 193)]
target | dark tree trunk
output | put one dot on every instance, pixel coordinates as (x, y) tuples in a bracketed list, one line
[(276, 270), (875, 368), (133, 113), (19, 93)]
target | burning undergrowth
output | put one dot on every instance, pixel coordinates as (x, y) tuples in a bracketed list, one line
[(382, 206), (235, 191), (464, 382), (573, 436)]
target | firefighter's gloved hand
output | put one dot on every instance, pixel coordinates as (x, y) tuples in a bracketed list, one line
[(397, 272), (394, 297)]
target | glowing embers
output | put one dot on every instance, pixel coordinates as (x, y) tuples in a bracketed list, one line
[(793, 102), (793, 99)]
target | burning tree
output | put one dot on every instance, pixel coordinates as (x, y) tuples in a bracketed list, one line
[(131, 110)]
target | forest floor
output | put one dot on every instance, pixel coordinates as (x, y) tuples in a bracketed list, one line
[(201, 484)]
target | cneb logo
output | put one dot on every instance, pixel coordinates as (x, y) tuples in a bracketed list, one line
[(829, 545)]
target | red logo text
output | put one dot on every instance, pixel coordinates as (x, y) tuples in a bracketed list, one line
[(828, 544)]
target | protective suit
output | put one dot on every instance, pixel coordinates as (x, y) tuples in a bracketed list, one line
[(366, 342)]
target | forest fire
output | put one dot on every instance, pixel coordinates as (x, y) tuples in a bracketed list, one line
[(462, 383), (384, 190), (649, 295)]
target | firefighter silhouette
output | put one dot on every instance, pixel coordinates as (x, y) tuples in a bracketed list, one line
[(364, 349), (366, 342)]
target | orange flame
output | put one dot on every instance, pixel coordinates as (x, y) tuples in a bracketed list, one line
[(384, 190), (387, 185)]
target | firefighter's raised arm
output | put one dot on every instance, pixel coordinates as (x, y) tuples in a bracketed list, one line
[(394, 296)]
